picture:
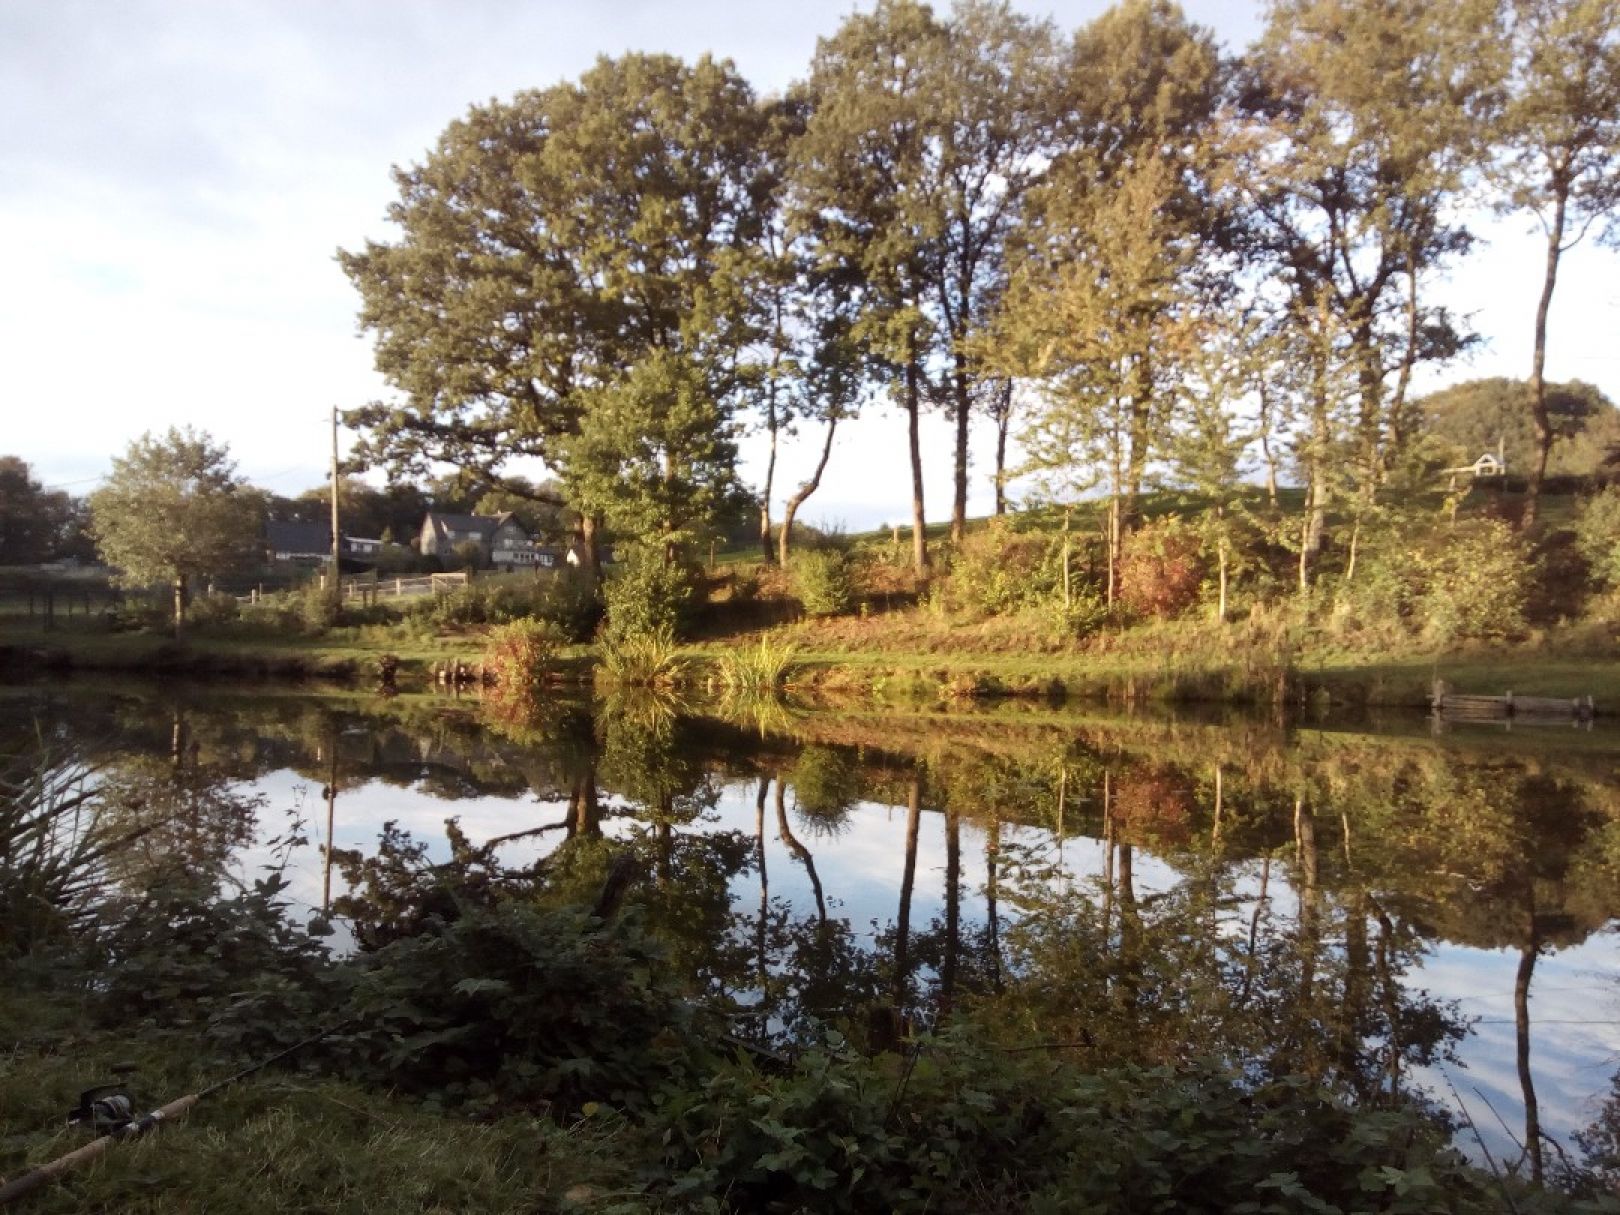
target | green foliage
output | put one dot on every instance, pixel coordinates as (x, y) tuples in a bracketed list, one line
[(1597, 536), (826, 785), (516, 1004), (1160, 568), (468, 555), (647, 594), (52, 847), (1478, 415), (211, 611), (172, 511), (1472, 582), (310, 608), (521, 655), (655, 172), (186, 956), (34, 522), (824, 581), (1002, 570), (970, 1128), (566, 599), (644, 660), (756, 670), (1467, 582)]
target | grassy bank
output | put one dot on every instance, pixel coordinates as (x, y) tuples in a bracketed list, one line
[(1187, 665)]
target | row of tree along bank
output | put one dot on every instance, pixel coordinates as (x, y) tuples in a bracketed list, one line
[(1149, 258)]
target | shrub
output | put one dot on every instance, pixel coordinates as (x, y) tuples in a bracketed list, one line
[(1597, 536), (757, 670), (647, 595), (973, 1129), (1084, 614), (640, 660), (307, 609), (565, 598), (210, 611), (1473, 581), (518, 1005), (521, 654), (1002, 570), (823, 581), (1159, 568)]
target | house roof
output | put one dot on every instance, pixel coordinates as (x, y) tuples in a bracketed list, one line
[(298, 537), (483, 525)]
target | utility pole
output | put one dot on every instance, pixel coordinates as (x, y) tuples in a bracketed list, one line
[(337, 534)]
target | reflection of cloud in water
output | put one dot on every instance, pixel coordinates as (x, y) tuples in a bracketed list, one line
[(861, 869), (1571, 1063)]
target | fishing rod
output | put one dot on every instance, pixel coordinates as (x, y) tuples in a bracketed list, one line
[(136, 1127)]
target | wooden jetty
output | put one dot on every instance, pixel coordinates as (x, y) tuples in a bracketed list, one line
[(1457, 706)]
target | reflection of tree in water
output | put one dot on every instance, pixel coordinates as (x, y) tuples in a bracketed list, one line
[(1384, 846), (185, 818), (826, 785)]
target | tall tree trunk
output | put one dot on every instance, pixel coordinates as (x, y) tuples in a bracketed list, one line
[(992, 892), (1538, 363), (664, 834), (1003, 415), (1141, 438), (1400, 424), (1316, 454), (908, 878), (1521, 1025), (590, 555), (1265, 422), (770, 480), (953, 911), (963, 391), (1306, 854), (179, 608), (584, 811), (762, 957), (1115, 531), (919, 536), (803, 493), (1313, 524), (800, 851)]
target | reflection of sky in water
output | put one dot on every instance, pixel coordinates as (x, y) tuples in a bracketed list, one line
[(1574, 1004)]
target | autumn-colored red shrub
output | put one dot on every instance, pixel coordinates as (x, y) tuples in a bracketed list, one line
[(1160, 570)]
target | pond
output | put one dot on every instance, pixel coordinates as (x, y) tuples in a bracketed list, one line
[(1376, 902)]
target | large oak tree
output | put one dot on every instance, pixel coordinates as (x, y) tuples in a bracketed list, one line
[(572, 280)]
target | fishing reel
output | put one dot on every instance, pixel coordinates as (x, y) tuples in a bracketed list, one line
[(106, 1108)]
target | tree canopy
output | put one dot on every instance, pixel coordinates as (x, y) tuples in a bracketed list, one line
[(1162, 251), (35, 523), (573, 281), (1477, 415), (172, 511)]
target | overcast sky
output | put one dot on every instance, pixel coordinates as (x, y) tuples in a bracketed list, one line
[(175, 176)]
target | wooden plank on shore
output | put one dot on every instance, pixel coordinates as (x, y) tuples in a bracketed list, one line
[(1451, 704)]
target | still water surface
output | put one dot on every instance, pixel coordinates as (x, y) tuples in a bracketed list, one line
[(1373, 902)]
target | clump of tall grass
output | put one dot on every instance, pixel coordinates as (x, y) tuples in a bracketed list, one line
[(647, 660), (758, 670), (53, 846)]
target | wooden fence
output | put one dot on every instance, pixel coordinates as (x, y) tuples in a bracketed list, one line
[(372, 588)]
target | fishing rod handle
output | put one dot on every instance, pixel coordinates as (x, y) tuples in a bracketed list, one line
[(35, 1178)]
